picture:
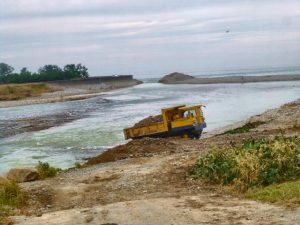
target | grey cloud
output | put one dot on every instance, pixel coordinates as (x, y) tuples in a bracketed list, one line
[(134, 36)]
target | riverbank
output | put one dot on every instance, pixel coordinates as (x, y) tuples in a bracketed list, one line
[(146, 180), (179, 78), (74, 90), (12, 92)]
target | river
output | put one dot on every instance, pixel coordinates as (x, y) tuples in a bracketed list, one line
[(81, 129)]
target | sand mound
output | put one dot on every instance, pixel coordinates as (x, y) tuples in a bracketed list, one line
[(174, 77), (149, 120), (136, 148)]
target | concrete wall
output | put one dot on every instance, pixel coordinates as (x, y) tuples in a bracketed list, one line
[(94, 80)]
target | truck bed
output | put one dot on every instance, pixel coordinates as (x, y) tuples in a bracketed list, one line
[(151, 129)]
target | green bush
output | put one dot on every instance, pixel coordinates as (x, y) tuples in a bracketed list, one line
[(78, 165), (46, 171), (255, 163)]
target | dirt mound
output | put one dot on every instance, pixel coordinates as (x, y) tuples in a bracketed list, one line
[(136, 148), (149, 120), (173, 77)]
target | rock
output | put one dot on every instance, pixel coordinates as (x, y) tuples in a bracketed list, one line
[(22, 175), (89, 218), (3, 181), (174, 77)]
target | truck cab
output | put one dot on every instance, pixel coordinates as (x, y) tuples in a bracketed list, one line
[(187, 120)]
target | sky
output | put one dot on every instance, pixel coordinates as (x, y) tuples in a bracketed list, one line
[(150, 38)]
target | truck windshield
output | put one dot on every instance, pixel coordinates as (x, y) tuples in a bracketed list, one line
[(189, 113)]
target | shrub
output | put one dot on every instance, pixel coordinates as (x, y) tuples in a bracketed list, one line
[(11, 196), (255, 163), (45, 170), (78, 165)]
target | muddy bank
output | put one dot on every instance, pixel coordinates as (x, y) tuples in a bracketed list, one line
[(146, 180), (185, 79)]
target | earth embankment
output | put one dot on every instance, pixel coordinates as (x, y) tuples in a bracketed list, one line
[(186, 79)]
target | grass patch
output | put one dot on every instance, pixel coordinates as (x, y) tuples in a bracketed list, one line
[(47, 171), (22, 91), (256, 163), (246, 128), (286, 193), (78, 165), (11, 196)]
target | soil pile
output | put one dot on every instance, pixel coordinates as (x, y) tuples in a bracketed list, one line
[(149, 120), (145, 147), (174, 77)]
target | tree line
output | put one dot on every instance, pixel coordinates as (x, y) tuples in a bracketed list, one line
[(45, 73)]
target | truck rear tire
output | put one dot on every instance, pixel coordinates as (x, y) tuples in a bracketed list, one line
[(194, 134)]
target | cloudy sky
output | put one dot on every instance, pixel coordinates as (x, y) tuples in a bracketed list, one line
[(150, 37)]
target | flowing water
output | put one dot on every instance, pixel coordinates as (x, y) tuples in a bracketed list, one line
[(97, 123)]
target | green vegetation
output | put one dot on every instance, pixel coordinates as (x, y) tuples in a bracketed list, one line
[(287, 193), (78, 165), (256, 163), (21, 91), (246, 128), (11, 196), (46, 171), (5, 69), (45, 73)]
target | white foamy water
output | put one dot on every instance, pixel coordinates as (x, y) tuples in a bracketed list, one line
[(101, 123)]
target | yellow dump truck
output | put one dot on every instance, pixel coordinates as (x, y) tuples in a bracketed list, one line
[(179, 120)]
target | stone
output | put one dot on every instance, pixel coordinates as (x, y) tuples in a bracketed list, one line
[(89, 218), (22, 175)]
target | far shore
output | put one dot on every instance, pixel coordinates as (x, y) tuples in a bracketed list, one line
[(184, 79), (72, 91)]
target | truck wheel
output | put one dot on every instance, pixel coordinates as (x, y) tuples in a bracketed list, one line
[(191, 135), (198, 135)]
